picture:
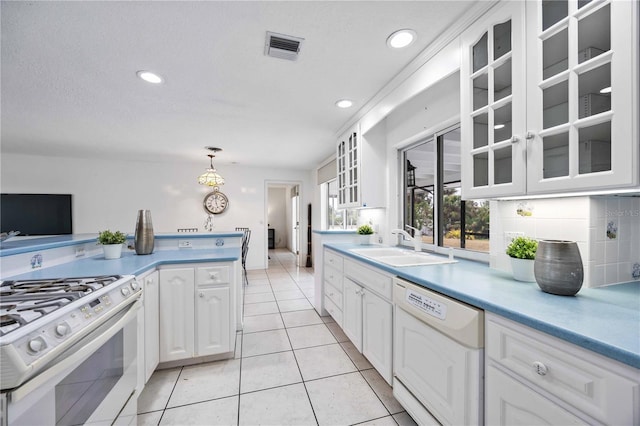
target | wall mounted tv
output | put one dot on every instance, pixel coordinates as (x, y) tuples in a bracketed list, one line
[(36, 214)]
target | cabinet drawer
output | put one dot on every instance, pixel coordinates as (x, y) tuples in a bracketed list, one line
[(333, 259), (334, 310), (366, 277), (333, 277), (334, 294), (595, 385), (212, 275)]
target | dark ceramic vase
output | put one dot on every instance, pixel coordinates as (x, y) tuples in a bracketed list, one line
[(558, 267)]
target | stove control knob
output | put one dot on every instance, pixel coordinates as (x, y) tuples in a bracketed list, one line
[(36, 345), (125, 291), (62, 329), (134, 285)]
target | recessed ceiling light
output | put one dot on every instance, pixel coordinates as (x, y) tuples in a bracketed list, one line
[(605, 90), (344, 103), (149, 77), (401, 38), (498, 126)]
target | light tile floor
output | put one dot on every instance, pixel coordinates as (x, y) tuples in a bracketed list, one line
[(292, 367)]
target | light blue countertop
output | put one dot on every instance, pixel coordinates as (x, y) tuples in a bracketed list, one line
[(18, 245), (131, 263), (334, 231), (605, 320)]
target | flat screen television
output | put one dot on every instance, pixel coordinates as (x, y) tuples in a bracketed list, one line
[(36, 214)]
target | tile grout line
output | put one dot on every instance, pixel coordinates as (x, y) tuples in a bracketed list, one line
[(170, 395)]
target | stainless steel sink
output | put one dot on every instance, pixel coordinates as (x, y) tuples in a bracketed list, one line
[(399, 257)]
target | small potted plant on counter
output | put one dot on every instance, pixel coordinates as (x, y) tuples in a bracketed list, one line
[(364, 234), (112, 243), (522, 252)]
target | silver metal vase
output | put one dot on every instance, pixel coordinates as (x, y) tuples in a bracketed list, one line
[(558, 267), (144, 239)]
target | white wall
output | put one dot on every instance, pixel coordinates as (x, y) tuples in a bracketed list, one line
[(277, 215), (108, 194)]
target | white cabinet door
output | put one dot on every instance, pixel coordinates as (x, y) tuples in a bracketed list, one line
[(152, 323), (493, 104), (177, 319), (348, 164), (352, 312), (582, 90), (511, 403), (377, 337), (212, 321)]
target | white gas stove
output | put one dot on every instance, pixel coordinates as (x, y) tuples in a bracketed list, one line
[(41, 319)]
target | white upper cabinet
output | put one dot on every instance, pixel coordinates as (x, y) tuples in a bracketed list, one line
[(581, 89), (493, 104), (361, 169), (348, 163), (550, 105)]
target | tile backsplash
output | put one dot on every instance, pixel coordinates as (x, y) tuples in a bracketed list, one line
[(606, 228)]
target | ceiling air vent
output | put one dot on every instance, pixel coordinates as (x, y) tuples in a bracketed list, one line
[(282, 46)]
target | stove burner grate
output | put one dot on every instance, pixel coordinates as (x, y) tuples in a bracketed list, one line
[(23, 301)]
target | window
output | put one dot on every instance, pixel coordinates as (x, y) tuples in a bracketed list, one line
[(432, 201), (338, 218)]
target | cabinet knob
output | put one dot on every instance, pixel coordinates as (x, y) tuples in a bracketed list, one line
[(201, 294), (530, 135), (540, 368), (514, 139), (213, 276)]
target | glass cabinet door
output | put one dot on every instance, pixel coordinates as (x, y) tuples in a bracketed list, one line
[(493, 104), (348, 170), (581, 94)]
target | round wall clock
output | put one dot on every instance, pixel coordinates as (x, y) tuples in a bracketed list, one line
[(215, 202)]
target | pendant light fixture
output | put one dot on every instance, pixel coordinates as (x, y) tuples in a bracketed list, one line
[(211, 177)]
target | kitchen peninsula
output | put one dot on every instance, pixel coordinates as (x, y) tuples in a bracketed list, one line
[(194, 280)]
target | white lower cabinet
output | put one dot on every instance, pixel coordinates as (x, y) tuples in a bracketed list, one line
[(212, 320), (377, 333), (517, 404), (533, 378), (177, 319), (151, 293), (332, 280), (197, 316), (367, 317)]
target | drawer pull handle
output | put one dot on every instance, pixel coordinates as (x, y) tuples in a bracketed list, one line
[(540, 368), (201, 294)]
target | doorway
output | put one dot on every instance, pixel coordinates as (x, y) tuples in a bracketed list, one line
[(283, 218)]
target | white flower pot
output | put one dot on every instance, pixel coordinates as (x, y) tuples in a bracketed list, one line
[(112, 251), (523, 269), (363, 239)]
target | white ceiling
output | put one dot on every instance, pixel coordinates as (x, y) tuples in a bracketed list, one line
[(69, 85)]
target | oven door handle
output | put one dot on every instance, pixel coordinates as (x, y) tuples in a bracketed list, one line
[(78, 356)]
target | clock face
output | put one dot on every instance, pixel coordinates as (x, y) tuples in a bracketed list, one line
[(215, 202)]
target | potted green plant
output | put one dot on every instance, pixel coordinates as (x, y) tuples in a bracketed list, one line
[(522, 251), (112, 243), (364, 234)]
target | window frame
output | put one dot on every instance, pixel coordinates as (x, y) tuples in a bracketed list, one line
[(433, 136)]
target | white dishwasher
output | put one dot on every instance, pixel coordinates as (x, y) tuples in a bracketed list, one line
[(438, 356)]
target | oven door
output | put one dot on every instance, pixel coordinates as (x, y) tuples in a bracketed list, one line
[(90, 383)]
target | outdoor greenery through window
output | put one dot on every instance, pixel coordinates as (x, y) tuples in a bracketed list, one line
[(432, 201), (339, 218)]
